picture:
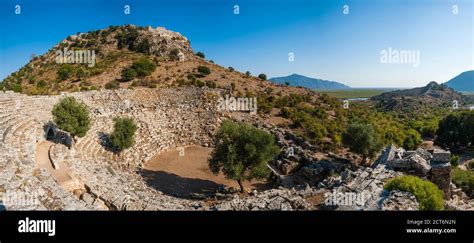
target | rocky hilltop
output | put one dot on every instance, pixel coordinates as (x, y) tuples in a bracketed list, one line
[(106, 53), (417, 99)]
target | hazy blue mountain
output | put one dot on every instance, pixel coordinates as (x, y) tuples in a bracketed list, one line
[(310, 83), (462, 82)]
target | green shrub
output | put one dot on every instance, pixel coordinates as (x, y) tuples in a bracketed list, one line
[(201, 55), (123, 135), (128, 74), (41, 84), (16, 87), (31, 80), (315, 131), (262, 76), (180, 82), (285, 112), (191, 77), (428, 195), (199, 83), (112, 85), (465, 180), (211, 84), (65, 71), (412, 140), (204, 70), (143, 67), (470, 165), (454, 160)]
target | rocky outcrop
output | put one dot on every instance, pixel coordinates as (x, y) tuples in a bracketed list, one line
[(416, 99), (400, 201), (274, 199), (363, 187)]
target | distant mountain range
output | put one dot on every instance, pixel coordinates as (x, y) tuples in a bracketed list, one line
[(462, 82), (307, 82)]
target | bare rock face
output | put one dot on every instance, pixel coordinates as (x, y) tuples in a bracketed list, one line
[(459, 200), (441, 176), (163, 42), (274, 199), (399, 200), (359, 190)]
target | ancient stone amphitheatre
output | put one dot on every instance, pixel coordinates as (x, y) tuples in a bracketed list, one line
[(176, 110)]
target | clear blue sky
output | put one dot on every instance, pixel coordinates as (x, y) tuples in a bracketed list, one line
[(327, 44)]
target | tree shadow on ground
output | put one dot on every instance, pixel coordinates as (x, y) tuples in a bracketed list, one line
[(175, 185), (53, 134), (105, 142)]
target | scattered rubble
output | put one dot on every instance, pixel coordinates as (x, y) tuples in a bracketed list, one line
[(398, 200)]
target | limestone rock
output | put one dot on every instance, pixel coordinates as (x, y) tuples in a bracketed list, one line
[(400, 201)]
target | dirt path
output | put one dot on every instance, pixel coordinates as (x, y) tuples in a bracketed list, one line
[(181, 175), (61, 175)]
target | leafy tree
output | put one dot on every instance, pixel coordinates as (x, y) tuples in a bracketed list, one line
[(72, 116), (242, 152), (362, 139), (201, 55), (247, 74), (204, 70), (428, 195), (231, 69), (123, 135), (457, 129), (412, 140), (262, 76)]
